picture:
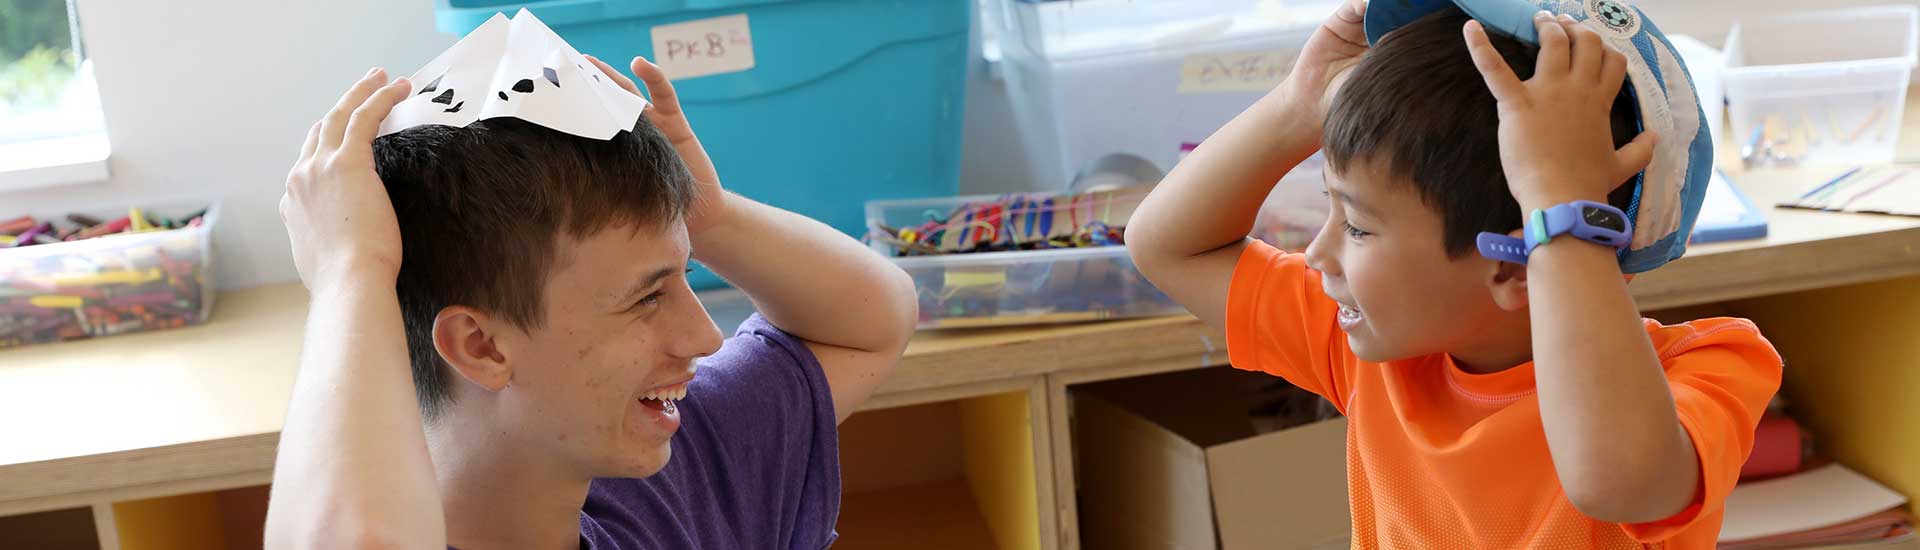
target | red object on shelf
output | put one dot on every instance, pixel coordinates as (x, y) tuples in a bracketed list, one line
[(1778, 449)]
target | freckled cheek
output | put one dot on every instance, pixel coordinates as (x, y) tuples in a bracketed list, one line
[(603, 409), (634, 344), (574, 418), (586, 344), (594, 382)]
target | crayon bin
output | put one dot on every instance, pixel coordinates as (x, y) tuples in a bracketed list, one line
[(1024, 287), (116, 284)]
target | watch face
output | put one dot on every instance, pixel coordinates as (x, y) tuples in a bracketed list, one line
[(1603, 219)]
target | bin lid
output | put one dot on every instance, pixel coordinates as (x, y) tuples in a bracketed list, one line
[(796, 42), (460, 16)]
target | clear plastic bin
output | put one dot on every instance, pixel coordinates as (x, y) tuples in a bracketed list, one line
[(1825, 86), (1178, 69), (116, 284), (1061, 29), (1017, 288)]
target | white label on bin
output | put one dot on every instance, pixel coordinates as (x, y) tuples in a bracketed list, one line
[(1254, 71), (704, 47)]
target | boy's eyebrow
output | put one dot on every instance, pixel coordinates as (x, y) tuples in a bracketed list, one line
[(646, 282), (1351, 201)]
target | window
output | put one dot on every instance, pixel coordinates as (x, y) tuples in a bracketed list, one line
[(51, 127)]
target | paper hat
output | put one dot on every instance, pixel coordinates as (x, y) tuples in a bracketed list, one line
[(1668, 194), (516, 68)]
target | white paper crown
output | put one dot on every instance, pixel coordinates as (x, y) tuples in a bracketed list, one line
[(516, 68)]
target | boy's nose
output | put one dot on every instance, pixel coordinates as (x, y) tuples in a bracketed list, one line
[(714, 338), (697, 335), (1320, 252)]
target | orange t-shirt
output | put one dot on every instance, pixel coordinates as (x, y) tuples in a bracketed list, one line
[(1440, 458)]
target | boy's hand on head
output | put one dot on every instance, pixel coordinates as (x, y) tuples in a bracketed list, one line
[(1189, 233), (336, 209), (709, 204), (1330, 53), (1556, 142)]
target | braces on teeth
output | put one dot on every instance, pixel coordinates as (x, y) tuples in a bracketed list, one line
[(667, 397)]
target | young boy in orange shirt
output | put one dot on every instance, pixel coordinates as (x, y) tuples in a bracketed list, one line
[(1512, 398)]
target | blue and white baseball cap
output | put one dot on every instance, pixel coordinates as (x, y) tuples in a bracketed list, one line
[(1667, 196)]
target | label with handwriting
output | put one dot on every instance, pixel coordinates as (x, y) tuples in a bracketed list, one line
[(704, 47), (1252, 71)]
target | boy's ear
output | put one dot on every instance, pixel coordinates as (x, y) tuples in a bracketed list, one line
[(466, 339), (1508, 282)]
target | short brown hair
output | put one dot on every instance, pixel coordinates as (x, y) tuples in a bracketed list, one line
[(481, 210), (1417, 103)]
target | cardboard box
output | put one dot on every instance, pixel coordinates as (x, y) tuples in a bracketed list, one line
[(1175, 464)]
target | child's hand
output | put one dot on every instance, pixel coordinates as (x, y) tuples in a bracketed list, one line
[(336, 209), (709, 201), (1329, 54), (1556, 141)]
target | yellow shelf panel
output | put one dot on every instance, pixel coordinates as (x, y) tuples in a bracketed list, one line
[(1853, 372)]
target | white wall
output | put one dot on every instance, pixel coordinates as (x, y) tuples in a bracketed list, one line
[(1709, 20), (209, 99)]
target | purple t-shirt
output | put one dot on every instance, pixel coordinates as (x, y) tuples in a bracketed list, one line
[(756, 463)]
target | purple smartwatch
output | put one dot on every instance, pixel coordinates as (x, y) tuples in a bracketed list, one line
[(1594, 222)]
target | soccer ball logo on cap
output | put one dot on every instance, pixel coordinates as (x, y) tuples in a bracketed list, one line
[(1613, 17)]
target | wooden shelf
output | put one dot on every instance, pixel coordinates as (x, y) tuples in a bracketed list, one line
[(1852, 372), (69, 529), (940, 515), (232, 519), (954, 474)]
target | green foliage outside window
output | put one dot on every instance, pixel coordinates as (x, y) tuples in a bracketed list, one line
[(37, 57)]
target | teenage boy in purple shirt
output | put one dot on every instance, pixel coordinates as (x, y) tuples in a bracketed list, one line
[(542, 304)]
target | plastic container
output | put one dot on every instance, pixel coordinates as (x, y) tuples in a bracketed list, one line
[(1018, 288), (845, 101), (116, 284), (1825, 86), (1177, 69), (1066, 29)]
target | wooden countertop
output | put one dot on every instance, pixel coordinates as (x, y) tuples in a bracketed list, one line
[(150, 408), (1803, 249), (200, 405)]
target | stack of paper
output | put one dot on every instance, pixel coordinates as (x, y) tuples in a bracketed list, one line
[(1890, 189), (1829, 505)]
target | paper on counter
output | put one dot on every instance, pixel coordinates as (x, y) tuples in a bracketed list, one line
[(1829, 495)]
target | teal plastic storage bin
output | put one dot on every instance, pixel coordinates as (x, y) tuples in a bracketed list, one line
[(848, 100)]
